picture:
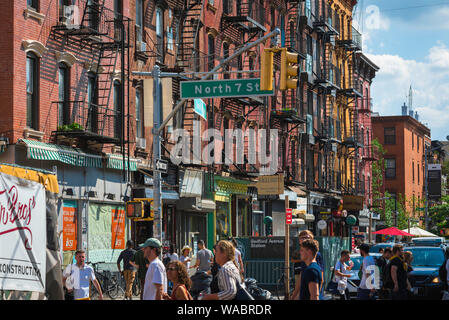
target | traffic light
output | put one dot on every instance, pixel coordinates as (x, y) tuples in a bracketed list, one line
[(289, 70), (266, 70)]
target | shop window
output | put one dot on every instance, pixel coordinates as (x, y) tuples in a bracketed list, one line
[(222, 220)]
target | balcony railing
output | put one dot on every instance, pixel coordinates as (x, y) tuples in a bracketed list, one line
[(83, 120), (246, 11), (357, 38)]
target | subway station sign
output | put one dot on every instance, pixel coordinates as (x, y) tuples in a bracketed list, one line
[(223, 88)]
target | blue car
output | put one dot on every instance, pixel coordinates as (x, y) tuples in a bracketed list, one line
[(424, 279)]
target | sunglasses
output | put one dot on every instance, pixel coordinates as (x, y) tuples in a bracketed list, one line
[(172, 269)]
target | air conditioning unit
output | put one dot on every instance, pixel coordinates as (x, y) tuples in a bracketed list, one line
[(143, 46), (141, 143)]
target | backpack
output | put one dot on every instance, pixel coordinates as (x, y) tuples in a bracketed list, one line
[(442, 272)]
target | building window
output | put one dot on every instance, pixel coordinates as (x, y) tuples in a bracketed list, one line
[(118, 108), (225, 56), (226, 6), (139, 24), (139, 113), (118, 15), (390, 168), (413, 171), (64, 94), (93, 12), (413, 140), (390, 135), (33, 4), (92, 98), (211, 52), (160, 33), (32, 88), (417, 143), (417, 171)]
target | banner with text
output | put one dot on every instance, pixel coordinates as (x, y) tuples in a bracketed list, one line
[(23, 234)]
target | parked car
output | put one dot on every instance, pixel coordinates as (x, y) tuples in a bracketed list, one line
[(375, 248), (424, 278), (354, 280)]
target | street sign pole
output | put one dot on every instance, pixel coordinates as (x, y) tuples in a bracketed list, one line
[(157, 111), (287, 254)]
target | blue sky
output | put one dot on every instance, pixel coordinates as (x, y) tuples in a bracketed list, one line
[(409, 41)]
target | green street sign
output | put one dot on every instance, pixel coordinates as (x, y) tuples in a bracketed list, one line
[(222, 88)]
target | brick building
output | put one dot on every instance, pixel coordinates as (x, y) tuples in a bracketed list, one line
[(404, 138)]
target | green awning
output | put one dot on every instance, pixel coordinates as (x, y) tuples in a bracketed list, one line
[(46, 151), (116, 162)]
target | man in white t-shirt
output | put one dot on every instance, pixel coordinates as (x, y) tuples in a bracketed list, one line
[(80, 276), (366, 290), (341, 274), (156, 276)]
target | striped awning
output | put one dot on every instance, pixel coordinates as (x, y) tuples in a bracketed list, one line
[(116, 162), (73, 156)]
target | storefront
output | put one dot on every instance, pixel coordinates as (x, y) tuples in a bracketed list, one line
[(90, 199), (233, 208)]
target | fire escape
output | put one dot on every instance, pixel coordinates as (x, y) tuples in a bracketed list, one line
[(326, 81), (239, 25), (103, 33), (287, 111), (349, 93)]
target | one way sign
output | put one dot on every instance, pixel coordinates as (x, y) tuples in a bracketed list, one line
[(161, 165)]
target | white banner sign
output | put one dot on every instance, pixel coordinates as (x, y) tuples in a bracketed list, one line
[(23, 236)]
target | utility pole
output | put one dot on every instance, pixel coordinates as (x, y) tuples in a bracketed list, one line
[(287, 254)]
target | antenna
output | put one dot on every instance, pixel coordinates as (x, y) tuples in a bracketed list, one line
[(410, 98)]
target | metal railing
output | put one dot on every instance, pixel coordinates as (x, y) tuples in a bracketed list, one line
[(356, 38), (90, 118)]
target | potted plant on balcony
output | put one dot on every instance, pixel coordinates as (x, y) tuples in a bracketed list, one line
[(66, 138)]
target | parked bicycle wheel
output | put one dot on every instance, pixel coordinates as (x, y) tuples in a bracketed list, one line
[(113, 289), (136, 287)]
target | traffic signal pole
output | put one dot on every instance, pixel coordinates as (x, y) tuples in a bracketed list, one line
[(158, 126)]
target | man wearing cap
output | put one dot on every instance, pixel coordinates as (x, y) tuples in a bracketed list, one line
[(156, 276)]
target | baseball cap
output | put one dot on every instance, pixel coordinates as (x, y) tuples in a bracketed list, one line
[(151, 242)]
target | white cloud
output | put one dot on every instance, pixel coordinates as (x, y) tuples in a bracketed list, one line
[(430, 82)]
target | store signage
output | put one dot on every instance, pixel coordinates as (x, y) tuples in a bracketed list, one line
[(353, 203), (270, 185), (118, 229), (23, 234), (288, 216), (355, 229), (322, 224), (69, 227), (363, 222)]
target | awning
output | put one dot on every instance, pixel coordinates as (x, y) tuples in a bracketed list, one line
[(196, 204), (299, 191), (73, 156), (116, 162)]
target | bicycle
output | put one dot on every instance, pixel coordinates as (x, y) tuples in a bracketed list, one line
[(108, 284), (136, 286), (280, 284)]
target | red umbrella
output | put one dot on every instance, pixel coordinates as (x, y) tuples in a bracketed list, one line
[(392, 231)]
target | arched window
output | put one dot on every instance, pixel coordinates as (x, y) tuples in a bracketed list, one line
[(118, 109), (160, 33), (92, 98), (32, 89), (64, 94), (139, 113)]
